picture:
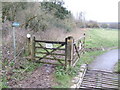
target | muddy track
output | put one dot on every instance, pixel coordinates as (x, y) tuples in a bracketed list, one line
[(42, 77)]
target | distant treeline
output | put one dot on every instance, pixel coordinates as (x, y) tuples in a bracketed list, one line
[(94, 24), (112, 25)]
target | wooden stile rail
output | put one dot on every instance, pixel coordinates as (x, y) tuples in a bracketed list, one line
[(65, 53)]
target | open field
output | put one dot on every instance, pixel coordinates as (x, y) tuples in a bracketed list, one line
[(102, 37)]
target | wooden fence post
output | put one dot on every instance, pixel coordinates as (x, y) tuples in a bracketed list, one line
[(28, 46), (69, 50), (84, 44), (66, 53), (32, 48)]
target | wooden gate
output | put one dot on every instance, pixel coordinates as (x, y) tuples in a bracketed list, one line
[(49, 52), (78, 47), (65, 53)]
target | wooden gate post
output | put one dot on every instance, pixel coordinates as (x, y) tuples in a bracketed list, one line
[(84, 44), (33, 48), (28, 46), (69, 50)]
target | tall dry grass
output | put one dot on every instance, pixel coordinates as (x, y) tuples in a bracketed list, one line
[(56, 34)]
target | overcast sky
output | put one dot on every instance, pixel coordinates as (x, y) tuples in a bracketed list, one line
[(98, 10)]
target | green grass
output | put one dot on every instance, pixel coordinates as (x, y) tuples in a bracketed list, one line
[(62, 78), (3, 84), (99, 37), (117, 67)]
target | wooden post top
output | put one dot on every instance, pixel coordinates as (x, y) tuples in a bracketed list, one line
[(70, 37), (84, 34)]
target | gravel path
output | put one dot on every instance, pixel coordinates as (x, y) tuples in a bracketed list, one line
[(106, 61)]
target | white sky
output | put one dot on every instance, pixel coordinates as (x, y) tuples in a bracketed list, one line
[(98, 10)]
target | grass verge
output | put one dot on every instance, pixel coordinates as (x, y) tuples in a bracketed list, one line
[(117, 67), (95, 38)]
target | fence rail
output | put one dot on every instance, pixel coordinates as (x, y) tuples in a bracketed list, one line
[(65, 53)]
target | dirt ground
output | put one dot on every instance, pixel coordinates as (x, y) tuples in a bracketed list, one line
[(42, 77)]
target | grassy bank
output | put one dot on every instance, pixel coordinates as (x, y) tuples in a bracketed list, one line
[(117, 67), (102, 37), (95, 38)]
